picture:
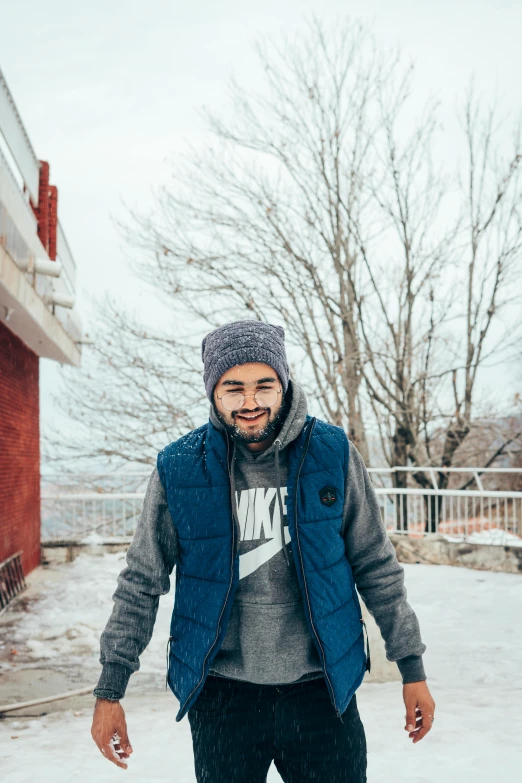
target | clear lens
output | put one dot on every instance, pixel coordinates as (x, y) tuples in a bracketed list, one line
[(234, 401), (265, 398)]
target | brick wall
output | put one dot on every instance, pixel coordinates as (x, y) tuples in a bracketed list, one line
[(19, 450)]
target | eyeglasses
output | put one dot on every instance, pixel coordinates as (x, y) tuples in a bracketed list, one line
[(235, 400)]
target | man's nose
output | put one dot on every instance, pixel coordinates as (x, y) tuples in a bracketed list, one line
[(250, 404)]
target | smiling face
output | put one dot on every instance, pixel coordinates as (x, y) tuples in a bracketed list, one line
[(255, 422)]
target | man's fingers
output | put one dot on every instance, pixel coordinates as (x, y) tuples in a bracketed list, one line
[(120, 750), (411, 716), (125, 742), (418, 735), (420, 710), (109, 731), (427, 712), (424, 723), (110, 753)]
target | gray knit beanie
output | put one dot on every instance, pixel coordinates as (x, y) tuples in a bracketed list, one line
[(240, 342)]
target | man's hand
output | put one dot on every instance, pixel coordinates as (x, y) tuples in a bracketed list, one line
[(108, 720), (420, 709)]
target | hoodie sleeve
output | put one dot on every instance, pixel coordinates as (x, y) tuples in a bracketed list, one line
[(378, 575), (150, 558)]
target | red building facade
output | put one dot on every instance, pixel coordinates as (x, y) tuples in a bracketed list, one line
[(19, 450), (37, 320)]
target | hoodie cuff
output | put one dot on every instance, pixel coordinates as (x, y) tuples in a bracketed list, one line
[(411, 668), (113, 681)]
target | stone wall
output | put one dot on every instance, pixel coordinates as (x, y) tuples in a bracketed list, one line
[(436, 550)]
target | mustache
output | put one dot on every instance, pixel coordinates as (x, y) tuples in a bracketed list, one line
[(256, 410)]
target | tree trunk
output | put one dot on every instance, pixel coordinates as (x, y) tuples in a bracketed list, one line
[(352, 383), (433, 506), (400, 479), (357, 432)]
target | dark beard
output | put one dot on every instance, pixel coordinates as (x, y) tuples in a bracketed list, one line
[(272, 426)]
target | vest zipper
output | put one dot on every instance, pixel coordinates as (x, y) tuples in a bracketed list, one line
[(168, 661), (228, 591), (278, 445), (303, 456)]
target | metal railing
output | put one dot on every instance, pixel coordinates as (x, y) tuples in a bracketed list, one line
[(483, 516), (12, 580), (117, 482), (10, 237), (77, 505), (475, 473), (100, 512), (17, 139), (90, 515)]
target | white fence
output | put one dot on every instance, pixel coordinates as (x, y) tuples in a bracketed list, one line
[(484, 516), (475, 474), (75, 516), (487, 517)]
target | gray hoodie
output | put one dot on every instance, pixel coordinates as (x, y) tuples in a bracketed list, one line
[(267, 639)]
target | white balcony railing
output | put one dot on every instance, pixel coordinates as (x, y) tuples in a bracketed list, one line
[(17, 139), (19, 179)]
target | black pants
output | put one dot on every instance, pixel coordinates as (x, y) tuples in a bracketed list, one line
[(239, 728)]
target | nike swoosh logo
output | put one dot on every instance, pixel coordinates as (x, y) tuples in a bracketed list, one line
[(251, 561)]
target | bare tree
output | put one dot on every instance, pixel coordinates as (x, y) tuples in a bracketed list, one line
[(492, 442), (421, 375), (320, 205), (404, 250), (259, 226), (493, 197), (492, 201)]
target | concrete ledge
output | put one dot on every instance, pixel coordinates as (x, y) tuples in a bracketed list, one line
[(65, 551), (31, 320), (436, 550)]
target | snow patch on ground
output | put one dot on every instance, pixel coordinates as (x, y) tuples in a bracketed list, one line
[(68, 619), (494, 535), (93, 538)]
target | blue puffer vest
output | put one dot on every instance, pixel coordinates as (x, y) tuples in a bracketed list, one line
[(195, 473)]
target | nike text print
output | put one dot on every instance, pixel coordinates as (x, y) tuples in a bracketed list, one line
[(259, 520)]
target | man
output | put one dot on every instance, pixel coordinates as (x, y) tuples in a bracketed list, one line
[(271, 519)]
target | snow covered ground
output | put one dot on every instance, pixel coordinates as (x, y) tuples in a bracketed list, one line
[(470, 622), (68, 619), (494, 535)]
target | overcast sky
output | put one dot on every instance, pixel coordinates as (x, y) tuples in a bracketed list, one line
[(109, 90)]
